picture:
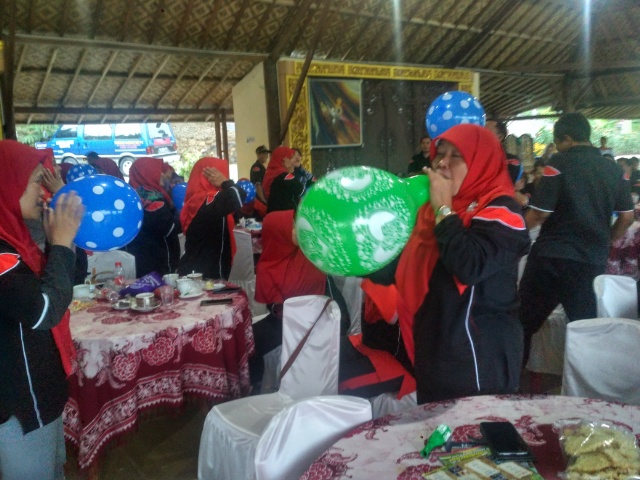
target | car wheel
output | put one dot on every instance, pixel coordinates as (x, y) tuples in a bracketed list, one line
[(125, 165), (71, 160)]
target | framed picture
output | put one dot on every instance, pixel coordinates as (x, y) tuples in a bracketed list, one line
[(335, 111)]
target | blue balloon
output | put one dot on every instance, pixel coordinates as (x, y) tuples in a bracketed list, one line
[(451, 109), (113, 212), (79, 171), (178, 192), (250, 190)]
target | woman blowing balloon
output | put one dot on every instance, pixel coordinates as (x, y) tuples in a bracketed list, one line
[(207, 219), (156, 247), (456, 278), (35, 342)]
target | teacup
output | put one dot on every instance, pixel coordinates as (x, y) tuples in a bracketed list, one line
[(145, 300), (171, 279), (81, 291), (187, 286), (195, 276)]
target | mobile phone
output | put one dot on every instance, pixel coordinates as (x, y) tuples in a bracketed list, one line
[(505, 442), (216, 301)]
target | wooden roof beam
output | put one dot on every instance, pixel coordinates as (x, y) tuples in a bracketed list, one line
[(183, 72), (468, 49), (132, 71), (72, 83), (95, 20), (52, 60), (164, 62), (106, 68), (200, 78), (26, 110), (236, 23), (213, 15), (183, 23), (153, 26), (135, 47), (290, 25)]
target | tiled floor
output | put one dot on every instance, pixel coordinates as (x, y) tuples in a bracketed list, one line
[(166, 447), (163, 448)]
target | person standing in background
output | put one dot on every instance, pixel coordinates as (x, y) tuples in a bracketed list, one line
[(258, 169), (420, 159)]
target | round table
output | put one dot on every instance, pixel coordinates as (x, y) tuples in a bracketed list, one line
[(388, 447)]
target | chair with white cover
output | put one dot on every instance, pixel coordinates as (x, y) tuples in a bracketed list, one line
[(354, 297), (389, 402), (616, 296), (243, 270), (105, 262), (232, 430), (297, 435), (601, 360)]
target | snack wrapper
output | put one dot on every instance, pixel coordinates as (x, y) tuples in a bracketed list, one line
[(146, 284), (598, 450)]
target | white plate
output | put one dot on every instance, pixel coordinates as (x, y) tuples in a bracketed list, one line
[(146, 309), (121, 305), (216, 286), (191, 295)]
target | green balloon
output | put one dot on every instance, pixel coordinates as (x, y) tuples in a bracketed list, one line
[(356, 220)]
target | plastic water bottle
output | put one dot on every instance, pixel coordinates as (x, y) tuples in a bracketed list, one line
[(118, 275)]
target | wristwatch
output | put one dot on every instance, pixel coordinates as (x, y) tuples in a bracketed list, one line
[(444, 211)]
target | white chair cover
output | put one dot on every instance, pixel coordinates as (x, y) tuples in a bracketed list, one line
[(296, 436), (243, 271), (105, 262), (353, 296), (232, 429), (386, 403), (601, 360), (547, 345), (616, 296)]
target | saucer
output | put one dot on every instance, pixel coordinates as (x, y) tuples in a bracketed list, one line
[(146, 309), (121, 305), (216, 286), (191, 295)]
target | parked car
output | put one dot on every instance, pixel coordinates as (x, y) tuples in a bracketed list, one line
[(122, 142)]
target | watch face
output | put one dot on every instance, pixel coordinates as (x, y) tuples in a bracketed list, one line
[(444, 211)]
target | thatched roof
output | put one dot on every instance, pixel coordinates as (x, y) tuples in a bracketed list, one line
[(134, 60)]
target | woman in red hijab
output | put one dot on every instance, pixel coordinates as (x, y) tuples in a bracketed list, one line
[(156, 247), (207, 219), (455, 284), (281, 186), (36, 350)]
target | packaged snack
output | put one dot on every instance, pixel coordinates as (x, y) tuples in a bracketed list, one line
[(598, 450), (146, 284), (482, 469)]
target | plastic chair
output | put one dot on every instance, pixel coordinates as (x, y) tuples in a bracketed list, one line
[(386, 403), (601, 360), (616, 296), (232, 430), (243, 271), (296, 436), (353, 296), (105, 262)]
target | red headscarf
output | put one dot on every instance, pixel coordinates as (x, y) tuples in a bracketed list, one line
[(276, 167), (199, 189), (283, 271), (18, 161), (107, 166), (146, 173), (487, 178)]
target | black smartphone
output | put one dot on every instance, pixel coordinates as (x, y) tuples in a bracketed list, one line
[(505, 442), (216, 301)]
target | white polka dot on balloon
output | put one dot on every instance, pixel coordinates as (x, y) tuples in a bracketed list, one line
[(477, 104), (140, 224), (98, 190), (118, 204), (139, 206), (447, 96), (119, 183), (118, 232), (97, 216), (434, 128), (92, 244), (464, 120), (431, 110), (447, 115), (464, 103)]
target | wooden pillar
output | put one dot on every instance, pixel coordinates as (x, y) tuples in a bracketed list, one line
[(273, 106), (225, 137), (218, 135), (9, 50)]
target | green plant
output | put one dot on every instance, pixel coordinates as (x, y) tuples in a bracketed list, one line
[(32, 133)]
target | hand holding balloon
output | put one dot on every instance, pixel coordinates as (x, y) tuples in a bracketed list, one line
[(113, 212), (62, 222)]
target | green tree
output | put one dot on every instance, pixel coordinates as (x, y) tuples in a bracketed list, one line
[(32, 133)]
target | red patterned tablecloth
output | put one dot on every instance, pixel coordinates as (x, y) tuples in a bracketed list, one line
[(130, 361), (388, 447)]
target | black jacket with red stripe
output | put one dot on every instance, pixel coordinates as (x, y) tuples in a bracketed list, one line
[(285, 192), (33, 386), (470, 343), (156, 247)]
